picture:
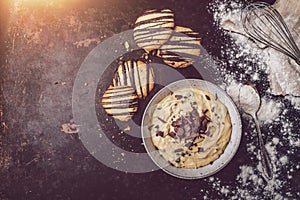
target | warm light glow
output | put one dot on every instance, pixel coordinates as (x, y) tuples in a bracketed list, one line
[(39, 1), (42, 2)]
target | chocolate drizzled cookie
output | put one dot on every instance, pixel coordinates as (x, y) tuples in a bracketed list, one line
[(120, 102), (182, 49), (136, 74), (153, 28)]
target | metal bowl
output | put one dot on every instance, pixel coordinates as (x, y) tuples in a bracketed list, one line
[(230, 149)]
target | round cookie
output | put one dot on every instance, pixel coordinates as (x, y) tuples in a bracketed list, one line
[(153, 29), (136, 74), (182, 49), (120, 102)]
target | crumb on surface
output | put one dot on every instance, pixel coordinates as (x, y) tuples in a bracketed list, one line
[(70, 128)]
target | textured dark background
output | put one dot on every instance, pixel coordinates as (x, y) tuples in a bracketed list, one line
[(37, 160)]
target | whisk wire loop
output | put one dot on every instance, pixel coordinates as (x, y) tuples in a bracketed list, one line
[(264, 24)]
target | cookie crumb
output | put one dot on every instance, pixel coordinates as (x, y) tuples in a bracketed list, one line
[(69, 128)]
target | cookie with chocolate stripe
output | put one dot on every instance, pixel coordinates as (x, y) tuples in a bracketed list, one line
[(153, 29), (182, 49), (120, 102), (137, 74)]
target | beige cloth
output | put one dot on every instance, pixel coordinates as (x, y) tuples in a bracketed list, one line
[(283, 76), (288, 81)]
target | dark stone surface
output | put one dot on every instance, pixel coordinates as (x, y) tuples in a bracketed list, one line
[(37, 160)]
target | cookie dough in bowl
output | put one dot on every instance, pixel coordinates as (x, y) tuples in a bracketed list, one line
[(191, 129)]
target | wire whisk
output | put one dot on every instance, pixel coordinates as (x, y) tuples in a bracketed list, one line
[(264, 24)]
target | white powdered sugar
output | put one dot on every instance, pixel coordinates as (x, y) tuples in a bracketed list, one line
[(278, 84), (295, 101), (268, 59), (269, 109)]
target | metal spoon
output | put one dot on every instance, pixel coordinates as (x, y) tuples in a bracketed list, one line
[(250, 102)]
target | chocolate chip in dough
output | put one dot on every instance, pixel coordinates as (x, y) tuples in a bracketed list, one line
[(172, 134), (187, 129), (189, 144), (179, 131), (178, 150), (160, 119), (159, 133), (178, 97), (177, 122)]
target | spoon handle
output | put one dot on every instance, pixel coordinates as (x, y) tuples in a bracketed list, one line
[(265, 157)]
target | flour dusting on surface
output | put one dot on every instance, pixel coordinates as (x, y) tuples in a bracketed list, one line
[(278, 85)]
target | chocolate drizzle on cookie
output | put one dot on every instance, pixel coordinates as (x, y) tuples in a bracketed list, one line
[(181, 50), (153, 28), (136, 74), (120, 102)]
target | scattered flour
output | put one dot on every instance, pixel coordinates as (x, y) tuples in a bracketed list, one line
[(279, 84), (295, 101), (275, 140), (284, 160), (269, 109), (269, 59)]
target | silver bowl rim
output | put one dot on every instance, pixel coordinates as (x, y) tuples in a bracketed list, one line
[(230, 149)]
